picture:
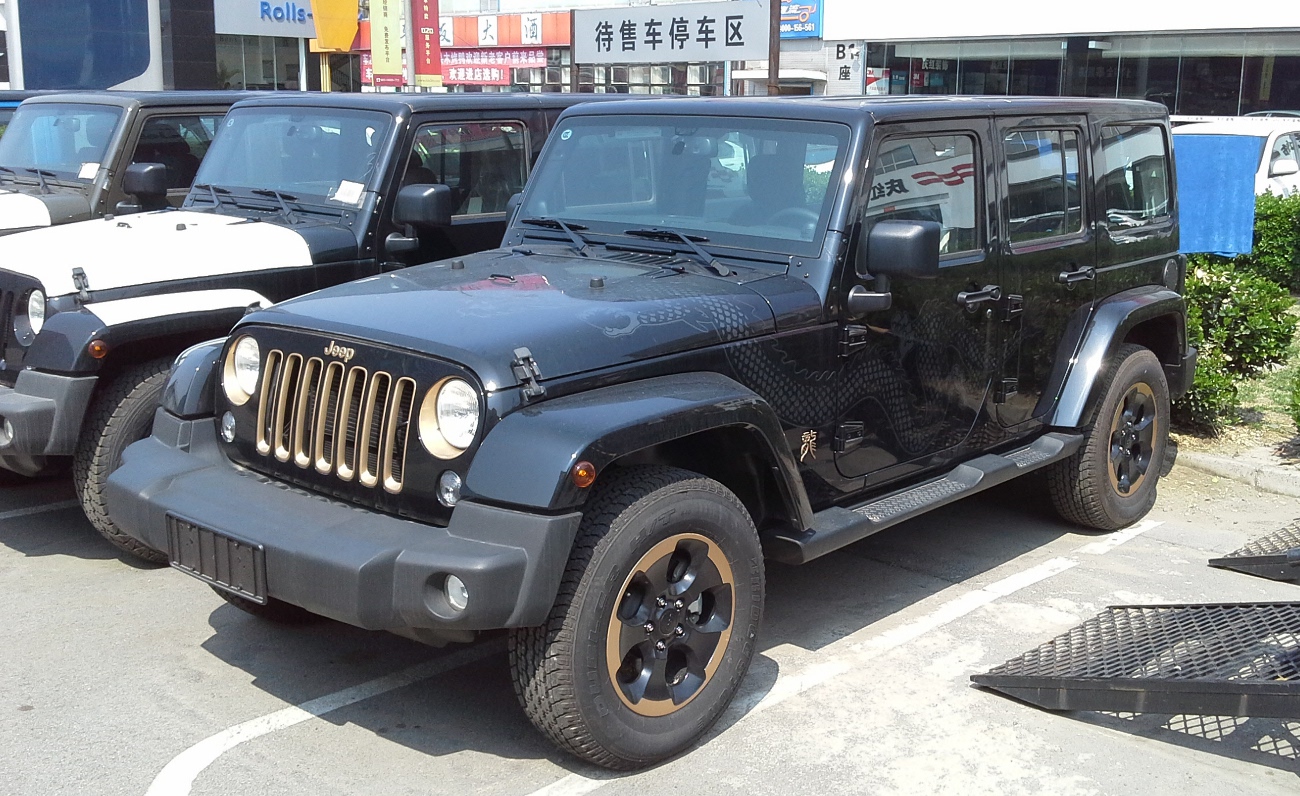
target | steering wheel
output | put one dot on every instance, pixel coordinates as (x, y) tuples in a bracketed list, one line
[(799, 217)]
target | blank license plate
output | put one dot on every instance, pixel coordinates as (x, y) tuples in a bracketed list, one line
[(227, 563)]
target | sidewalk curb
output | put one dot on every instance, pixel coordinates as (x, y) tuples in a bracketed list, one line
[(1264, 477)]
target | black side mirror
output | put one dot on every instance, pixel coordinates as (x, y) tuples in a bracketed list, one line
[(892, 248), (145, 181), (899, 248), (423, 206)]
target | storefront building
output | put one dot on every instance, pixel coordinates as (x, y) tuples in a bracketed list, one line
[(1196, 58), (262, 45)]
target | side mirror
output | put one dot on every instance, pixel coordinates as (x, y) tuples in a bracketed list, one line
[(899, 248), (1283, 168), (423, 206), (145, 181)]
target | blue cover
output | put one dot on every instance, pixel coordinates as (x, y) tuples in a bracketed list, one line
[(1216, 192)]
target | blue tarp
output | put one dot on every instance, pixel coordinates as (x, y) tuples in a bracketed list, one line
[(1216, 192)]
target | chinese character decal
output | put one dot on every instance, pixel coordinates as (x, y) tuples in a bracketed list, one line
[(808, 445)]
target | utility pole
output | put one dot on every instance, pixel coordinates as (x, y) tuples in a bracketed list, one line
[(774, 48)]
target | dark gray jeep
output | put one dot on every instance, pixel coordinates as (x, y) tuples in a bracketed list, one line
[(718, 331)]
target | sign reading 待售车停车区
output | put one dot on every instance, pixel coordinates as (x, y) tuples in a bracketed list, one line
[(680, 32)]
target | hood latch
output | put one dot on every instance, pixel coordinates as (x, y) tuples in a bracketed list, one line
[(528, 373), (81, 283)]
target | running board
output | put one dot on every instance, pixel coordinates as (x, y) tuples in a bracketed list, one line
[(838, 526), (1228, 659), (1276, 556)]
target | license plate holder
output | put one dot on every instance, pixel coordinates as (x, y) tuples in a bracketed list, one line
[(221, 560)]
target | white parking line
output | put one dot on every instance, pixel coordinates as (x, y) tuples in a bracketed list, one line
[(30, 510), (178, 776), (1118, 538)]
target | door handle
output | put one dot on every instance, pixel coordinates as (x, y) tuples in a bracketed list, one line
[(1070, 278), (972, 300)]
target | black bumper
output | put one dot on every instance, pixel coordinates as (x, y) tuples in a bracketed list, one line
[(44, 413), (367, 569)]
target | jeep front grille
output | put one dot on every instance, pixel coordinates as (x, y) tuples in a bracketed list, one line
[(340, 420)]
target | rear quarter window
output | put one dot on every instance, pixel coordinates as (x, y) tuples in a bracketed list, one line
[(1134, 173)]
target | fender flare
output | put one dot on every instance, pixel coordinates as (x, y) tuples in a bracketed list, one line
[(526, 458), (1106, 329), (62, 344)]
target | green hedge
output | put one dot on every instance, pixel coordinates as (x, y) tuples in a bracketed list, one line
[(1237, 320), (1275, 254)]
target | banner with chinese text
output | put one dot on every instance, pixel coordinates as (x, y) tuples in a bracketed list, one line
[(681, 32), (428, 54), (386, 41), (489, 67)]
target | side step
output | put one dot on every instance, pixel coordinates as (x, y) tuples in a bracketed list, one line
[(1233, 659), (837, 526), (1275, 556)]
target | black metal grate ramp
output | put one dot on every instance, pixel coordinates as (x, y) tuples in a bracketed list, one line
[(1236, 659), (1275, 555)]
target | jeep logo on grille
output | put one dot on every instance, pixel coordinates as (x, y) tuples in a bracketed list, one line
[(336, 350)]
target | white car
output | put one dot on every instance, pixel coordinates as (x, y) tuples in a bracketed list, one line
[(1279, 146)]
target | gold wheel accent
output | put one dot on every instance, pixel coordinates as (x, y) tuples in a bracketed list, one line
[(1134, 428), (669, 629)]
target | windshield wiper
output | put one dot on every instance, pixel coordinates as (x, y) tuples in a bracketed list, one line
[(707, 260), (580, 243), (41, 174), (12, 174), (214, 191), (280, 197)]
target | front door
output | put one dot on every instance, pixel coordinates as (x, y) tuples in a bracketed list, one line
[(921, 371), (1048, 254)]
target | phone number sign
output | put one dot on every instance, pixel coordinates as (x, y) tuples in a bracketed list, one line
[(681, 32)]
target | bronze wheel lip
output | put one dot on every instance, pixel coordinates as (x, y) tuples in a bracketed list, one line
[(1132, 438), (613, 662)]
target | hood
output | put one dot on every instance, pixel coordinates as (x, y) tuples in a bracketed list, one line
[(574, 314), (139, 249), (23, 211)]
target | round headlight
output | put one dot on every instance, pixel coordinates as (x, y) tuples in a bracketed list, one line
[(449, 418), (243, 365), (36, 311)]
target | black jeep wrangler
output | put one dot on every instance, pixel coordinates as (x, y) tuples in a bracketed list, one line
[(717, 331)]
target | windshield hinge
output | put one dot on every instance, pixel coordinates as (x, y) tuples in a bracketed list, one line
[(528, 373), (81, 283)]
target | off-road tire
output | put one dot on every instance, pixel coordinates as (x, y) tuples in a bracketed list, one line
[(281, 613), (560, 668), (121, 413), (1080, 486)]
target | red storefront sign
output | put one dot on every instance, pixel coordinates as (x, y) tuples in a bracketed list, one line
[(489, 67), (428, 56), (367, 69)]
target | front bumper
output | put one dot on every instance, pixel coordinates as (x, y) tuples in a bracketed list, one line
[(43, 412), (360, 567)]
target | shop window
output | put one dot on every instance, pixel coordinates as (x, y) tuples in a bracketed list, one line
[(483, 164), (1134, 175), (1043, 181)]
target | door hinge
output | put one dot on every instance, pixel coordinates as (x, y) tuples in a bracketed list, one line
[(1005, 389), (849, 436), (853, 338), (1011, 307), (529, 374)]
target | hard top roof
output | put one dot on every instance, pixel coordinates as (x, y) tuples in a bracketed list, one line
[(12, 96), (887, 108), (403, 103), (144, 99)]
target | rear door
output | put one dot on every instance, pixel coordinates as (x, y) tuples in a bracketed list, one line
[(1049, 253)]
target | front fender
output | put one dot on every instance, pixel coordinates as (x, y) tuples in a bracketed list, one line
[(526, 459), (1106, 329)]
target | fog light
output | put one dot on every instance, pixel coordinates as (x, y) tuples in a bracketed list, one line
[(228, 427), (457, 594), (449, 489)]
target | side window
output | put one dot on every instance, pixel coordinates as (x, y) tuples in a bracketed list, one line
[(483, 163), (1134, 175), (929, 178), (177, 142), (1043, 177)]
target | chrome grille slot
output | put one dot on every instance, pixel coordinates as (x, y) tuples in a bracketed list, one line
[(336, 419), (399, 424), (7, 300)]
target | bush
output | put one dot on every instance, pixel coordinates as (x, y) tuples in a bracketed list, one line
[(1293, 405), (1238, 322), (1275, 254)]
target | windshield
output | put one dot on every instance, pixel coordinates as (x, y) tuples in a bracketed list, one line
[(67, 140), (314, 153), (739, 182), (5, 115)]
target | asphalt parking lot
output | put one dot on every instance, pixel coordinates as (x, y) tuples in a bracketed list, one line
[(117, 679)]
